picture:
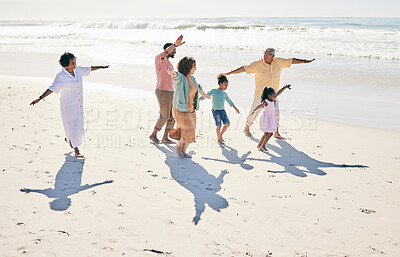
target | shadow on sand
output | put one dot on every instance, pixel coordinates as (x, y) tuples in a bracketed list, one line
[(68, 182), (232, 157), (197, 180), (296, 162)]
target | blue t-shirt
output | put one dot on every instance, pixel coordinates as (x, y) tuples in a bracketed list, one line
[(218, 99)]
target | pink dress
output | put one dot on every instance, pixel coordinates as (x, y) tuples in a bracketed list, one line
[(268, 118)]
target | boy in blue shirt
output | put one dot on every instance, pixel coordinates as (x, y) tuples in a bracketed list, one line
[(218, 106)]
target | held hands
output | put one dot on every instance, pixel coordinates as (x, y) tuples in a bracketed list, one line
[(172, 73), (178, 41), (204, 97)]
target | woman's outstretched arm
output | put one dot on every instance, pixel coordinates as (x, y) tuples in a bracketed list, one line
[(204, 95), (99, 67), (46, 93)]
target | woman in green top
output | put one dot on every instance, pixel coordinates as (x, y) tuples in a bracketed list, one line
[(185, 102)]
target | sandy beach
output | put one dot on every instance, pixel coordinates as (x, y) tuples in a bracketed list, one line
[(329, 190)]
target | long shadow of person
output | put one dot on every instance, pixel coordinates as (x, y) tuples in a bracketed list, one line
[(197, 180), (232, 157), (298, 163), (68, 182)]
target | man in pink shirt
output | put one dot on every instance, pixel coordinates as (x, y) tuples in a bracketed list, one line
[(165, 91)]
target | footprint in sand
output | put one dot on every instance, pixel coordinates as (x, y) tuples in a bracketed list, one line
[(366, 211)]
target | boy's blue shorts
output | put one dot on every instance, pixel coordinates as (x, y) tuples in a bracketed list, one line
[(220, 115)]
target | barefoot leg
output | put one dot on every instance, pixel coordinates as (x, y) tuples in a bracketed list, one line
[(267, 137), (178, 148), (185, 146), (153, 137), (223, 131), (165, 139), (77, 153), (247, 131), (218, 130), (277, 135)]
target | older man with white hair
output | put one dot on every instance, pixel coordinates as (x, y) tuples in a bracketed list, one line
[(267, 72)]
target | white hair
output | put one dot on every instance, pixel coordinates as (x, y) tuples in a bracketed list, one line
[(270, 50)]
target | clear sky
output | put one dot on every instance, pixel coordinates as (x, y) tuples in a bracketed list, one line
[(56, 9)]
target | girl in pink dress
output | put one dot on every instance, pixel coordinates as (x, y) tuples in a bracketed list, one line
[(268, 123)]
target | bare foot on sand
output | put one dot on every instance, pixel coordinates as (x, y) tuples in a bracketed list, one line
[(277, 135), (247, 132), (78, 154), (263, 149), (178, 151), (154, 139)]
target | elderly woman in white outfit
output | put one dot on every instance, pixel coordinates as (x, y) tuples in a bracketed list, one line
[(68, 83)]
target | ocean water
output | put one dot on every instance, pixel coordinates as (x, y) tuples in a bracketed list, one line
[(355, 79)]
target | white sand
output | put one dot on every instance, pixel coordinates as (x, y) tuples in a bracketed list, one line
[(296, 200)]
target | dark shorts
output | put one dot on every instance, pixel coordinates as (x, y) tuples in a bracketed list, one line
[(220, 115)]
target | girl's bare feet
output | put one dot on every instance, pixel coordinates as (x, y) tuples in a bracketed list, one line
[(277, 135), (262, 148)]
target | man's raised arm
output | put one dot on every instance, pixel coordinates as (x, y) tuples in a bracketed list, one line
[(171, 48)]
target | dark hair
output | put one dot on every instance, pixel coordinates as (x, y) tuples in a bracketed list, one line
[(66, 58), (185, 65), (167, 45), (266, 92), (222, 78)]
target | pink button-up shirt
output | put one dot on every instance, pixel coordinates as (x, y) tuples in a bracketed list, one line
[(164, 80)]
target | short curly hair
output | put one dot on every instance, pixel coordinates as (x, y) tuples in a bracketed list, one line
[(222, 78), (266, 92), (66, 58), (185, 65)]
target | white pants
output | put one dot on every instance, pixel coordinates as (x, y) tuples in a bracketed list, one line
[(251, 118)]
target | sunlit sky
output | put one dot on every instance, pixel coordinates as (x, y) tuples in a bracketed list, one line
[(56, 9)]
